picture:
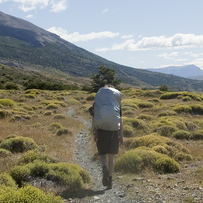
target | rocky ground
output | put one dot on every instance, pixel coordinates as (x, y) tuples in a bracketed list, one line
[(141, 188)]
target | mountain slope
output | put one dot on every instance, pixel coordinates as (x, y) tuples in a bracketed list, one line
[(187, 71), (23, 44)]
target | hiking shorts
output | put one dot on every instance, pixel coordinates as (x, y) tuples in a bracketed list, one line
[(107, 142)]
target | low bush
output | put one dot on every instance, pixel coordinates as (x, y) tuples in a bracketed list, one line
[(197, 109), (182, 134), (18, 144), (171, 147), (170, 95), (55, 125), (4, 153), (47, 113), (33, 155), (3, 114), (135, 160), (20, 174), (63, 131), (7, 102), (197, 135), (27, 194), (128, 131), (52, 106), (59, 116), (182, 109), (129, 103), (7, 180), (145, 117), (145, 104), (165, 130), (91, 97)]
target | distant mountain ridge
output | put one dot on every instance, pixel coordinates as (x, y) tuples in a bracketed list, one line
[(187, 71), (25, 45)]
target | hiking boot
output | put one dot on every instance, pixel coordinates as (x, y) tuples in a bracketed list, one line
[(109, 186), (105, 176)]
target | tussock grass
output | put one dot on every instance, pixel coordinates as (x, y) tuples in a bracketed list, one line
[(138, 159), (7, 102)]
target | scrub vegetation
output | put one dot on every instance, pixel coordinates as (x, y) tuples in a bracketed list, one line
[(162, 132)]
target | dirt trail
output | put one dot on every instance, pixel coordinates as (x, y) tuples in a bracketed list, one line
[(98, 193)]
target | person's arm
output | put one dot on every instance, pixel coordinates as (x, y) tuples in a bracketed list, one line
[(121, 132)]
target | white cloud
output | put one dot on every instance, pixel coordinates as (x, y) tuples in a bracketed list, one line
[(77, 37), (29, 16), (105, 11), (168, 56), (161, 42), (28, 5), (59, 6), (127, 36)]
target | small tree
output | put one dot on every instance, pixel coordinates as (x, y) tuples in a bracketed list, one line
[(164, 88), (104, 77)]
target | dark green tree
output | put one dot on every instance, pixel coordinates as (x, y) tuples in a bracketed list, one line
[(164, 88), (105, 76)]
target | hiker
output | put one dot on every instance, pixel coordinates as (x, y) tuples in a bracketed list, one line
[(107, 129)]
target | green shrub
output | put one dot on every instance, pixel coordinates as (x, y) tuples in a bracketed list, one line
[(145, 117), (59, 116), (4, 153), (7, 180), (166, 130), (33, 155), (31, 96), (145, 104), (63, 131), (52, 106), (182, 134), (197, 135), (28, 194), (186, 98), (129, 103), (197, 109), (130, 162), (182, 109), (38, 168), (170, 95), (134, 161), (152, 140), (47, 113), (56, 125), (3, 114), (128, 131), (7, 102), (91, 97), (19, 174), (167, 113), (18, 144), (167, 165)]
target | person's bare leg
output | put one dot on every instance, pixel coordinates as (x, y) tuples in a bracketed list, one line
[(103, 160), (111, 163)]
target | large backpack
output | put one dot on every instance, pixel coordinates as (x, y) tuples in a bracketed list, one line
[(107, 109)]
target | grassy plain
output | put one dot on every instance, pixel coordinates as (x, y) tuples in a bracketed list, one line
[(162, 130)]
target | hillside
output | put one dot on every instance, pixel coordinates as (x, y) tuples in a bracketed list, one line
[(23, 44), (188, 71)]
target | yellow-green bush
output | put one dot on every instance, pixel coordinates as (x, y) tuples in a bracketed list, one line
[(170, 95), (59, 116), (55, 125), (137, 159), (91, 97), (47, 113), (197, 109), (7, 102), (3, 114), (18, 144), (52, 106), (182, 134), (128, 131), (182, 109), (172, 147), (197, 135), (72, 176), (27, 194), (33, 155), (167, 113), (4, 153), (165, 130), (130, 103), (144, 104), (19, 174), (63, 131), (7, 180), (145, 117)]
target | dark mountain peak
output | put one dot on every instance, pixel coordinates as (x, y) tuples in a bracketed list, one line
[(23, 30)]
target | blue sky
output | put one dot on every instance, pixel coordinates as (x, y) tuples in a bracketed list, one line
[(137, 33)]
